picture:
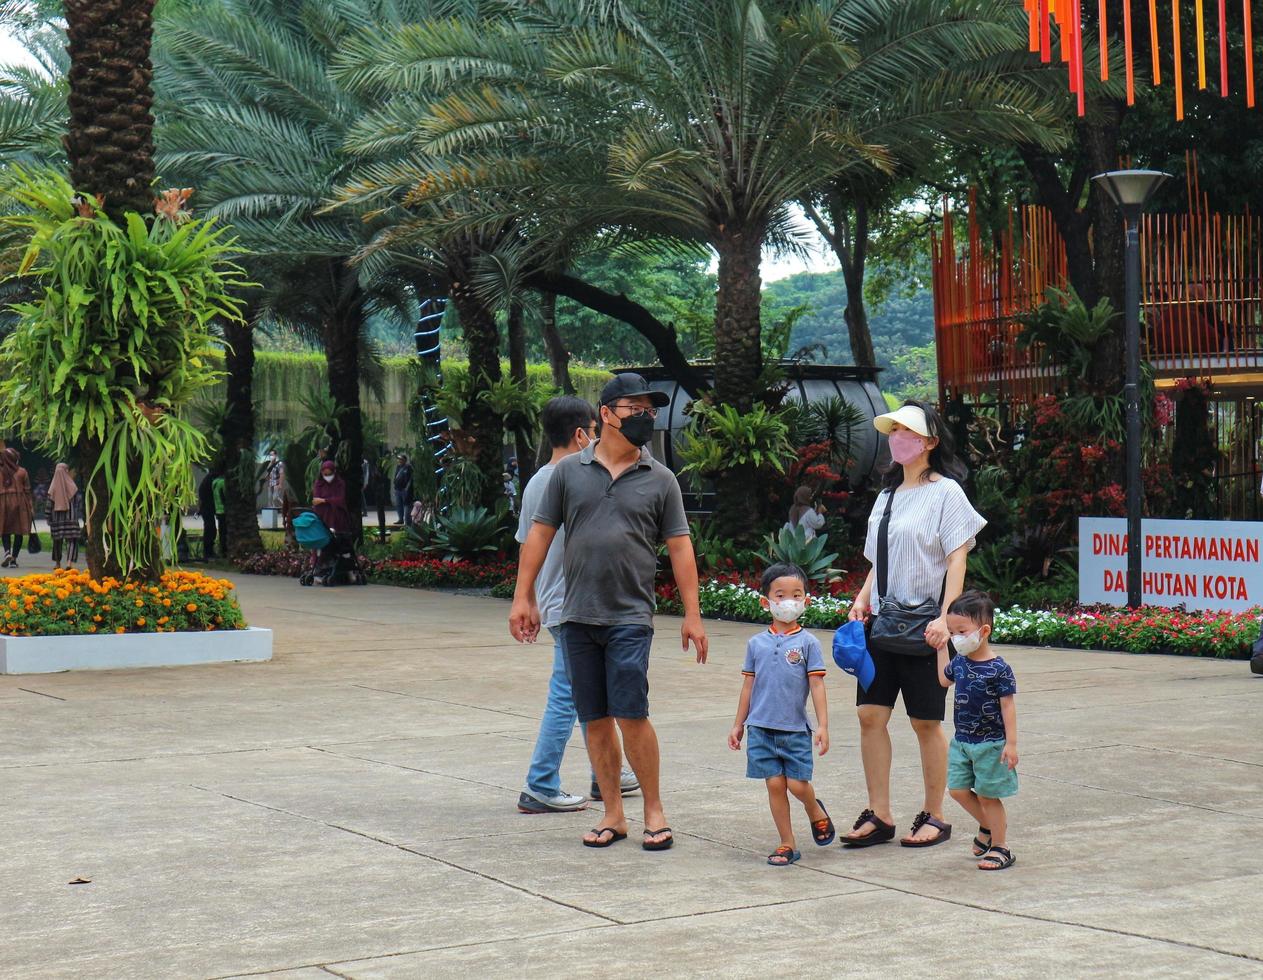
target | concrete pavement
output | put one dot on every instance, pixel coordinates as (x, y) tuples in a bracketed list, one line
[(348, 810)]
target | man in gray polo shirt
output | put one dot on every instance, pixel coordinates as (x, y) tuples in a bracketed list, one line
[(617, 503)]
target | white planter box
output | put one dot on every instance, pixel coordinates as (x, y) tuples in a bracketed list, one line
[(49, 654)]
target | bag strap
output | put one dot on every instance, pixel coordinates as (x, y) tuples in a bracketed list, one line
[(883, 553), (883, 545)]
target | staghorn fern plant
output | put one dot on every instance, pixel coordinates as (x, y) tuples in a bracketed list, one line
[(106, 357)]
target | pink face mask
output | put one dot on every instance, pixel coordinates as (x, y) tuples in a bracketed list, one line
[(906, 447)]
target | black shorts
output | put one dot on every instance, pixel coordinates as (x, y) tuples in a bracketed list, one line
[(609, 669), (914, 677)]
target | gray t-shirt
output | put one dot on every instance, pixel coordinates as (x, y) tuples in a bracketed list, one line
[(781, 664), (550, 586), (613, 529)]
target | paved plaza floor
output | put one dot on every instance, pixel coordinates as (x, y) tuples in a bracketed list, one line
[(348, 810)]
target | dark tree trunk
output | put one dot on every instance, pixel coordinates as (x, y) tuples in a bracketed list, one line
[(738, 330), (109, 143), (483, 428), (660, 335), (738, 366), (110, 136), (517, 372), (342, 358), (241, 472), (1093, 235), (558, 356), (855, 315)]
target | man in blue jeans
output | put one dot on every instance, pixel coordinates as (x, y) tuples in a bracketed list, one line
[(569, 426), (617, 504)]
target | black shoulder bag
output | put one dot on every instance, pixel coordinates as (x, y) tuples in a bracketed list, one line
[(898, 626)]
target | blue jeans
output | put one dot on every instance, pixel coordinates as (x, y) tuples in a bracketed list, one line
[(555, 728)]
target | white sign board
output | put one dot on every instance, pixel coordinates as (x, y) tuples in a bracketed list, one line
[(1196, 564)]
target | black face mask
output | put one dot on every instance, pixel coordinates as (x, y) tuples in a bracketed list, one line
[(637, 430)]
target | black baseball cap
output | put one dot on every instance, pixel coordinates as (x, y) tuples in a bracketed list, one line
[(630, 385)]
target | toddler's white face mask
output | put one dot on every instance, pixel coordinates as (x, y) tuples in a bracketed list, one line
[(328, 477), (787, 610), (967, 643)]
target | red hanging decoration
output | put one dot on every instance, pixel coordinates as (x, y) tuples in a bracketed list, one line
[(1249, 54), (1201, 45), (1131, 71), (1153, 40), (1177, 56), (1223, 48), (1104, 39)]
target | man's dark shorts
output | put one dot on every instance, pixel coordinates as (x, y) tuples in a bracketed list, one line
[(609, 669), (916, 678)]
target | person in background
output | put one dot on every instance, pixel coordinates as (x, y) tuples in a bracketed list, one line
[(17, 512), (401, 488), (366, 472), (510, 491), (63, 523), (328, 499), (206, 507), (805, 513), (275, 480), (40, 491), (219, 488)]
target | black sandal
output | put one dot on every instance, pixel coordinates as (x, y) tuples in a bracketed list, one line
[(981, 846), (822, 831), (884, 831), (1005, 860), (922, 819), (662, 845), (600, 832)]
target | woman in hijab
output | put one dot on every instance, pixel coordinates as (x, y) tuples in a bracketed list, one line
[(804, 515), (63, 522), (17, 513), (328, 499)]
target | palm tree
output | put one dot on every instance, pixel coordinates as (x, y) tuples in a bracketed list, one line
[(251, 115), (689, 120)]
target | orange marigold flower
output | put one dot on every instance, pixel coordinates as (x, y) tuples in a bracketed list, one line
[(191, 607), (140, 621), (166, 602), (120, 630), (91, 629)]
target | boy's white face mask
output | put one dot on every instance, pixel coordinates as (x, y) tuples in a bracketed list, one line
[(967, 643), (786, 610)]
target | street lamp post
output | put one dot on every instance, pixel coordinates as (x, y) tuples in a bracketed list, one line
[(1131, 190)]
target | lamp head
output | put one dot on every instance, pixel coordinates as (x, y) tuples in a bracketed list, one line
[(1130, 189)]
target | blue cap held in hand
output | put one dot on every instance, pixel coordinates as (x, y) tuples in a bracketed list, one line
[(850, 652)]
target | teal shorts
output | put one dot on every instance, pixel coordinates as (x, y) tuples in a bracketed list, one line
[(977, 766)]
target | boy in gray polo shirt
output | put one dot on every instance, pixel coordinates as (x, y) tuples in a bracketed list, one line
[(617, 504), (782, 665)]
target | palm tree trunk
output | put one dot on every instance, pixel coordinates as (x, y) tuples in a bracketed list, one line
[(342, 359), (109, 144), (110, 137), (517, 372), (558, 356), (484, 427), (738, 366), (240, 476)]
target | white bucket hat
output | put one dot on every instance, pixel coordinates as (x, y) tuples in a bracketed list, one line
[(908, 415)]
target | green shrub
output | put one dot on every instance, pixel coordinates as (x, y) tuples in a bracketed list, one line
[(791, 545)]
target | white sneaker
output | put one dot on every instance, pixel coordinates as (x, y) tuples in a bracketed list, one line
[(627, 783), (529, 802)]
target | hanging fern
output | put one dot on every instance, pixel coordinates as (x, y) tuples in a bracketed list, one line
[(113, 348)]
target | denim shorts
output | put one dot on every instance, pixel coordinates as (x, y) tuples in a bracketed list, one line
[(771, 752), (977, 766), (609, 669)]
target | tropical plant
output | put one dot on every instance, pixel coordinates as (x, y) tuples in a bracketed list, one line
[(463, 482), (792, 545), (721, 437), (1065, 332), (465, 532), (111, 352), (614, 115)]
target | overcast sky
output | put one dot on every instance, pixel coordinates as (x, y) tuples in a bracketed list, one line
[(11, 51)]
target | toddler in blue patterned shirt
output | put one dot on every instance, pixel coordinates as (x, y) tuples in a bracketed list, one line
[(982, 758)]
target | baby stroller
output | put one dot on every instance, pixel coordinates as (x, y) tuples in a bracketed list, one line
[(333, 560)]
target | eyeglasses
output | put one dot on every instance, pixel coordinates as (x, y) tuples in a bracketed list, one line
[(637, 411)]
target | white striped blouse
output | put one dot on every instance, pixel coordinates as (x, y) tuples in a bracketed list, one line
[(927, 523)]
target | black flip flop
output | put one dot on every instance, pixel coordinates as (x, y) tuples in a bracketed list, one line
[(786, 854), (615, 837), (661, 845), (981, 846), (823, 835), (1005, 859), (923, 819), (883, 833)]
